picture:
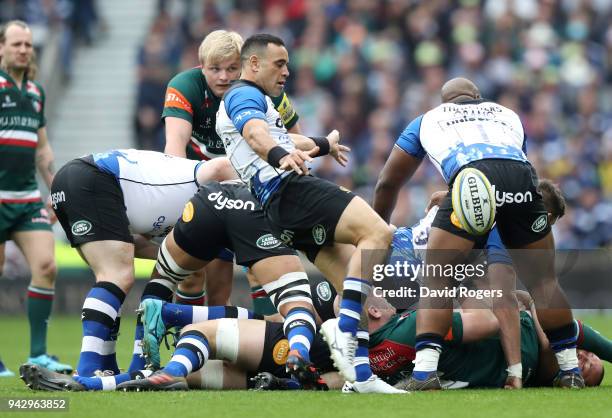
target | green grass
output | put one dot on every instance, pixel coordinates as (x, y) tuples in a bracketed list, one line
[(64, 341)]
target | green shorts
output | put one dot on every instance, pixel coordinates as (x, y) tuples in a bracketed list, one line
[(17, 217)]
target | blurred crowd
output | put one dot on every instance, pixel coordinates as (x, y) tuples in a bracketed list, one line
[(367, 68), (76, 21)]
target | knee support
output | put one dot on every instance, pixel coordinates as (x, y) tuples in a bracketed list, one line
[(290, 287), (167, 267)]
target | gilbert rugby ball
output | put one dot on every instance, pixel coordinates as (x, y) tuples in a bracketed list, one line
[(473, 201)]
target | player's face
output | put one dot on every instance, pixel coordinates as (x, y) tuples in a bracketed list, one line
[(17, 50), (591, 367), (273, 70), (219, 75)]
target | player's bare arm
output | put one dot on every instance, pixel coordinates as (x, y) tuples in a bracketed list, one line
[(336, 150), (178, 133), (44, 157), (398, 169)]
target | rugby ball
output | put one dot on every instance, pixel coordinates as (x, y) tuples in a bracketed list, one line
[(473, 201)]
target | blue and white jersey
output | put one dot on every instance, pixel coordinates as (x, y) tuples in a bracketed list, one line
[(241, 103), (453, 135), (410, 243), (155, 186)]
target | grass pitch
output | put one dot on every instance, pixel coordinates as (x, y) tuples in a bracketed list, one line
[(64, 341)]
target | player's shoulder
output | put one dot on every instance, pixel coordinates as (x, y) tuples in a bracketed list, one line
[(190, 78), (243, 88), (34, 88)]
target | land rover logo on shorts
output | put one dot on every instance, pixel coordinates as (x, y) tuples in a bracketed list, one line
[(540, 223), (81, 227), (188, 212), (323, 291), (280, 352), (318, 234), (267, 242)]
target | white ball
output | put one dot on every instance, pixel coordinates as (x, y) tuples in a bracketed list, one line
[(473, 201)]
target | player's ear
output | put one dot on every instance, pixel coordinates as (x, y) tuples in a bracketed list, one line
[(254, 63), (374, 313)]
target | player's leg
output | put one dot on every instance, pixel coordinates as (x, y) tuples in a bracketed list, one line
[(92, 214), (221, 273), (286, 283), (191, 290), (239, 342), (360, 226)]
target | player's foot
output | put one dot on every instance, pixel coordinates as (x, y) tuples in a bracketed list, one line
[(40, 378), (51, 363), (304, 372), (159, 380), (571, 379), (373, 385), (431, 382), (4, 372), (342, 346), (154, 330), (267, 381)]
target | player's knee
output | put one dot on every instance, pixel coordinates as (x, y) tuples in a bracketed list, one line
[(380, 237), (46, 270), (290, 290), (167, 266)]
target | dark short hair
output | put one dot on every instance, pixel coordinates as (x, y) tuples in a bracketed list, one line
[(257, 43), (553, 198)]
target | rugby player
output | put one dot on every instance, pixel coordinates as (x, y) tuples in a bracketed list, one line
[(307, 213), (24, 150), (100, 201), (190, 113), (467, 131)]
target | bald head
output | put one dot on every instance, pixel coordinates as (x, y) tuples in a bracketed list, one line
[(459, 90)]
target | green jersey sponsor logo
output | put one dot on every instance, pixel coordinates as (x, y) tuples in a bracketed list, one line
[(81, 227), (267, 242), (319, 234)]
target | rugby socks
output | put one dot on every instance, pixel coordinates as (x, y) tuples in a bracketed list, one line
[(354, 293), (40, 302), (261, 302), (299, 327), (100, 311), (158, 288), (109, 361), (190, 355), (593, 341), (362, 360), (428, 348), (563, 343), (110, 382), (193, 299), (176, 315)]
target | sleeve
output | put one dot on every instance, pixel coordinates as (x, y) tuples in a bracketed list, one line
[(593, 341), (410, 139), (286, 110), (524, 147), (496, 250), (179, 101), (243, 104), (43, 104)]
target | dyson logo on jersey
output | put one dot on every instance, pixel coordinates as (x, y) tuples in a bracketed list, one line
[(506, 197), (225, 202)]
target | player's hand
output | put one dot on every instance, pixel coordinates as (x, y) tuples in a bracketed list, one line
[(296, 160), (435, 199), (336, 149), (513, 382), (51, 212)]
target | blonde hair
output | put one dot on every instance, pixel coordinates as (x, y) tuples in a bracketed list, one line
[(219, 45)]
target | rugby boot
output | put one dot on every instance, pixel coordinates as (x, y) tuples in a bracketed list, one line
[(342, 347), (373, 385), (158, 381), (410, 384), (51, 363), (40, 378), (304, 372), (267, 381), (570, 379), (154, 330)]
